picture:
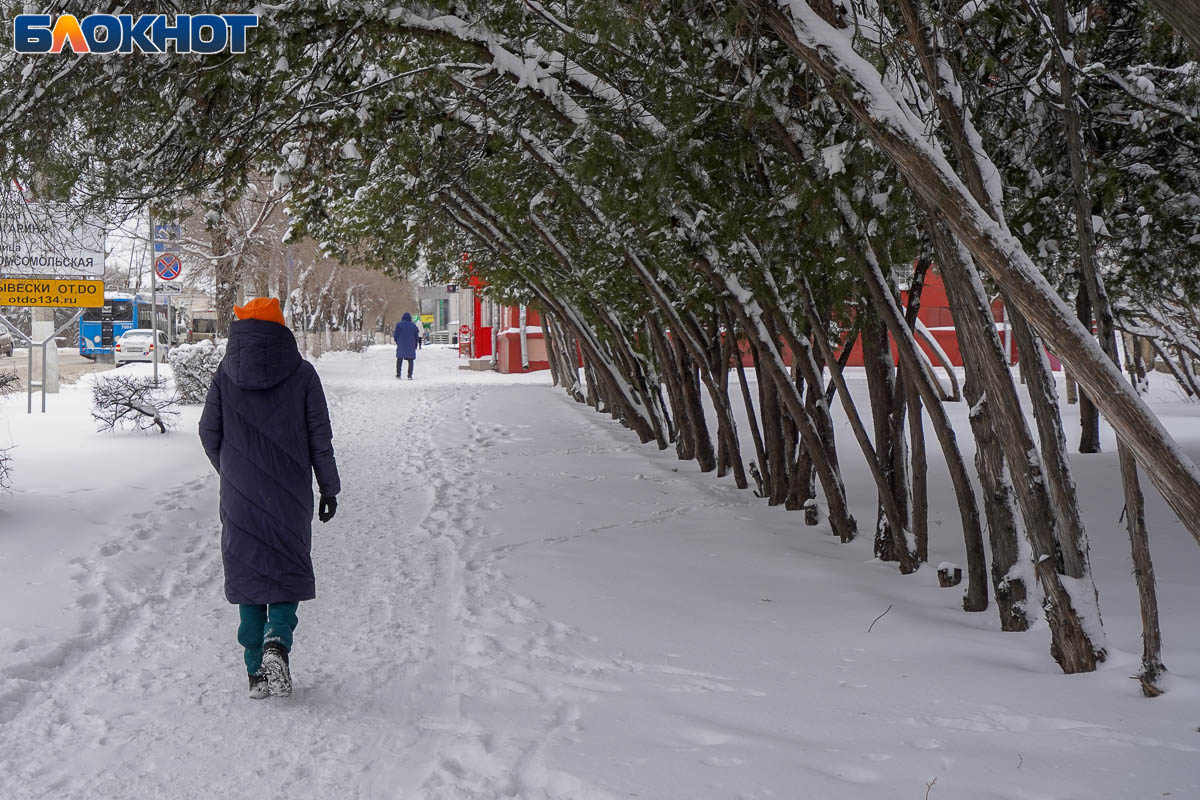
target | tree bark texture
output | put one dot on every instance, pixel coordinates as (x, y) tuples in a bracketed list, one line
[(1135, 516), (1089, 416)]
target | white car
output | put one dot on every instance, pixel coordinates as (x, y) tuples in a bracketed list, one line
[(139, 345)]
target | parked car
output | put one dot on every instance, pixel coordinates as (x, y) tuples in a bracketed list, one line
[(139, 345), (6, 342)]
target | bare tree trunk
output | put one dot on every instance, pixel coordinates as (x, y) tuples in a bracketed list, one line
[(593, 394), (693, 408), (916, 431), (1176, 371), (1012, 593), (976, 596), (1089, 417), (920, 480), (1073, 544), (1073, 641), (720, 371), (819, 445), (553, 351), (669, 370), (751, 417), (775, 476), (568, 357), (1152, 667), (877, 359), (898, 543), (224, 277)]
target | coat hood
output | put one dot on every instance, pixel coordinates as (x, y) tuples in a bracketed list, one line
[(406, 318), (261, 308), (260, 354)]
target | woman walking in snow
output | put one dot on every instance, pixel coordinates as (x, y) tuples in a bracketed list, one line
[(265, 428), (408, 339)]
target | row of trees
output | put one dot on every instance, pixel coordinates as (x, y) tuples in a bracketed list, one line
[(672, 183), (242, 253)]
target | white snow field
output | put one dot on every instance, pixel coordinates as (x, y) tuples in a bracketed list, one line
[(518, 600)]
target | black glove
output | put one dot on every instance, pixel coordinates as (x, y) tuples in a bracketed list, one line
[(328, 508)]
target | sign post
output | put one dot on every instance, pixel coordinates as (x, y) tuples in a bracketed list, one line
[(51, 340), (154, 320), (166, 266)]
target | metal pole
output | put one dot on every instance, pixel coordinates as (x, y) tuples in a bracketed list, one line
[(153, 301), (524, 339), (494, 322), (52, 339), (29, 354)]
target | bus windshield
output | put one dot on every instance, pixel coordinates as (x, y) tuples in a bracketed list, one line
[(122, 311), (204, 325)]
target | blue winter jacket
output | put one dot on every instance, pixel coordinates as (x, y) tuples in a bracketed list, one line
[(407, 336), (265, 427)]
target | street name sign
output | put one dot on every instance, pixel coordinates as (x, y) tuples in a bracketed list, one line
[(47, 239), (51, 293)]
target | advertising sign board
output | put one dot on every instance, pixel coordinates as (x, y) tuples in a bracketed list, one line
[(51, 293)]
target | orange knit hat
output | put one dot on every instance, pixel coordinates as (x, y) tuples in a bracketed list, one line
[(261, 308)]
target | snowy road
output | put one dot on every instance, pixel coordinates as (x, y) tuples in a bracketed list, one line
[(516, 600)]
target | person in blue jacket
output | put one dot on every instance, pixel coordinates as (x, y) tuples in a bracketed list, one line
[(265, 428), (408, 339)]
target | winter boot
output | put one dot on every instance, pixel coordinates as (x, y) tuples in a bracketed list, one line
[(258, 687), (275, 668)]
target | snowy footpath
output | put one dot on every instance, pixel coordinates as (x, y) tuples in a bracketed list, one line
[(518, 600)]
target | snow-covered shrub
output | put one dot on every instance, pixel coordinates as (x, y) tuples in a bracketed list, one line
[(10, 382), (195, 365), (120, 401)]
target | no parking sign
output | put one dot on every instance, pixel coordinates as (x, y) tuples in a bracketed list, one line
[(168, 266)]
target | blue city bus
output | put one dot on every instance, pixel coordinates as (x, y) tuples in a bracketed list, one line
[(123, 311)]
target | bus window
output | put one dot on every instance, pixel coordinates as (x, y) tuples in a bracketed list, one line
[(122, 311)]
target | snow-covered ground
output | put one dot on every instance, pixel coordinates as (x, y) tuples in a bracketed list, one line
[(517, 600)]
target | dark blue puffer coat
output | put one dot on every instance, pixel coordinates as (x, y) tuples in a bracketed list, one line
[(265, 427), (406, 335)]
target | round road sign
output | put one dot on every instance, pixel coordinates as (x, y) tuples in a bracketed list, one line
[(168, 266)]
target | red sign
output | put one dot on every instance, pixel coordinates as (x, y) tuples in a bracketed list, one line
[(168, 266), (465, 330)]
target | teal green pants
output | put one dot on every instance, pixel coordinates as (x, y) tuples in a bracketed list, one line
[(262, 625)]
